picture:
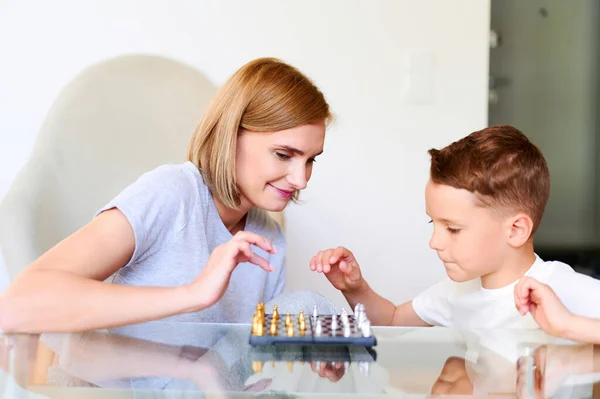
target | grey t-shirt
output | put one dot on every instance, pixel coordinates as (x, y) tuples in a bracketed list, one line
[(176, 226)]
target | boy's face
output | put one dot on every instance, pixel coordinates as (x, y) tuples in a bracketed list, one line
[(470, 240)]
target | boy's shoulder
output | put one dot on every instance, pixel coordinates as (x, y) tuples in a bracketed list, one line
[(548, 272)]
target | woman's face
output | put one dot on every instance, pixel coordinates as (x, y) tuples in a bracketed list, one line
[(271, 167)]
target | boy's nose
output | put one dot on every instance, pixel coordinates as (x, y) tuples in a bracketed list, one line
[(435, 242)]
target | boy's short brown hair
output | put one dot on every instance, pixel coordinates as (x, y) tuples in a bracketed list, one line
[(498, 164)]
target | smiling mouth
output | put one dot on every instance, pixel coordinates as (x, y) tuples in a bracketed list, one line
[(283, 193)]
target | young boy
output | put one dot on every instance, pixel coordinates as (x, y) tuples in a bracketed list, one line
[(486, 196)]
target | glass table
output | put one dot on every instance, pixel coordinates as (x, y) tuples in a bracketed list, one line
[(188, 360)]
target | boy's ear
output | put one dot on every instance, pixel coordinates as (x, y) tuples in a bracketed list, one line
[(520, 230)]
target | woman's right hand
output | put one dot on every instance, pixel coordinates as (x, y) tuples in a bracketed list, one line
[(340, 267), (212, 282)]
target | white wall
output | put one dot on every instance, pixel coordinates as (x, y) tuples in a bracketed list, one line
[(367, 188)]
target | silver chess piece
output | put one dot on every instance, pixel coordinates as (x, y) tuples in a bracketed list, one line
[(315, 314), (318, 328), (334, 322), (347, 331), (365, 328), (345, 320)]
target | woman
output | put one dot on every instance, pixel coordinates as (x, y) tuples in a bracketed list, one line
[(173, 238)]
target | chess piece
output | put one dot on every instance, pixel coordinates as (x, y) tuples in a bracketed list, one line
[(365, 328), (288, 319), (275, 312), (301, 316), (315, 315), (318, 328), (273, 329), (344, 317), (290, 330), (302, 325), (334, 322), (347, 331)]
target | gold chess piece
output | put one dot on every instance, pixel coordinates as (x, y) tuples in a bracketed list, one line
[(290, 331), (257, 366), (288, 319), (275, 312), (273, 329), (301, 318), (258, 326), (302, 325)]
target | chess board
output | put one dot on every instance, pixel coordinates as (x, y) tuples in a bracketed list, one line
[(309, 337)]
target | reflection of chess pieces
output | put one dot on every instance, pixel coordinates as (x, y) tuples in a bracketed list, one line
[(288, 319), (275, 312), (290, 366), (290, 330), (257, 366)]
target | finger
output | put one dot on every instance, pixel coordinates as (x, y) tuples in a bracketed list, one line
[(257, 240), (350, 269), (244, 247), (313, 264), (319, 261), (326, 263), (339, 253)]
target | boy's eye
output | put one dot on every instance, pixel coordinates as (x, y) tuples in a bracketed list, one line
[(282, 155), (452, 231)]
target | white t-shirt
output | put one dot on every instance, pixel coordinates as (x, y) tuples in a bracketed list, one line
[(468, 305)]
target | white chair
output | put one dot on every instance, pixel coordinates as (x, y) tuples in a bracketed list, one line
[(113, 122)]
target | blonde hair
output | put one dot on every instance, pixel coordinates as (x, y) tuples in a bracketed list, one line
[(265, 95)]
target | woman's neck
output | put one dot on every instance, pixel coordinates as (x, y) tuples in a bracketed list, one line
[(233, 219)]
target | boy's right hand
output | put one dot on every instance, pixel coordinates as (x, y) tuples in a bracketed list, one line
[(340, 268)]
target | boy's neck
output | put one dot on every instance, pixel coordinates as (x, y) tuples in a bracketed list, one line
[(514, 266)]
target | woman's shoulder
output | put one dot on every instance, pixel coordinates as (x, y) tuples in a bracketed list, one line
[(185, 175)]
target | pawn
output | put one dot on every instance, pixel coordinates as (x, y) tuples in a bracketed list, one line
[(273, 329), (334, 322), (290, 331), (260, 329), (318, 329), (301, 315), (315, 315), (288, 319), (302, 325), (275, 312)]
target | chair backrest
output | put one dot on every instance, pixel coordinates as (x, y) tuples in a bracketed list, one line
[(113, 122)]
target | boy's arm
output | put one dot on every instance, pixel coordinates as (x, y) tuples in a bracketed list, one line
[(381, 311), (583, 329), (343, 271)]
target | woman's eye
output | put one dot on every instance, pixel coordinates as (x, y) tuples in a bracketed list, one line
[(282, 155)]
